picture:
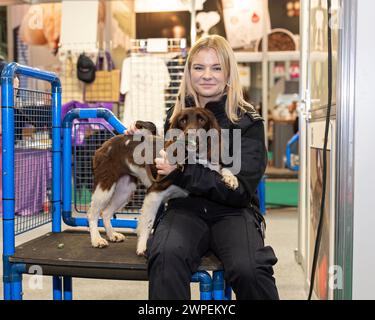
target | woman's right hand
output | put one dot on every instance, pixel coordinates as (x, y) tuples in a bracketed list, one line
[(131, 130)]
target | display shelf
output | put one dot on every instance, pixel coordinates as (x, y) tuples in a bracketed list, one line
[(270, 56)]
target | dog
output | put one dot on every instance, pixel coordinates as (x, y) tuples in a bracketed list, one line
[(116, 174)]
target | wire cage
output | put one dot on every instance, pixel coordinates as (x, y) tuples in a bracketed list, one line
[(32, 159)]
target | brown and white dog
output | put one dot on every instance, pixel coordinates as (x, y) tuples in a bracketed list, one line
[(116, 174)]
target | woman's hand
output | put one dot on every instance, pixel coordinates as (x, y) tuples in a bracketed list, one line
[(162, 164), (131, 130)]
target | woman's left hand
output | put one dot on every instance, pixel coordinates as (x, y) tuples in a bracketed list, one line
[(162, 164)]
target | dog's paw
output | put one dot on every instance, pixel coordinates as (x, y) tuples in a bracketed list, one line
[(141, 248), (99, 243), (141, 253), (229, 179), (117, 237)]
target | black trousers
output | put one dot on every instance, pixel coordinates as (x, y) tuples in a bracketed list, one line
[(183, 236)]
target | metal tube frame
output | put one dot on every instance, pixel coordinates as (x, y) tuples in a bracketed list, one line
[(67, 164), (13, 272)]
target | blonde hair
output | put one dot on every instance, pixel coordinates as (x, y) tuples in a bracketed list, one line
[(235, 104)]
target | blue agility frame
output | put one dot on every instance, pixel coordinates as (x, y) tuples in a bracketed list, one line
[(12, 272)]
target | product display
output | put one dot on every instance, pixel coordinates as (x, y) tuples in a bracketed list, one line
[(144, 79), (279, 40), (106, 86), (85, 69)]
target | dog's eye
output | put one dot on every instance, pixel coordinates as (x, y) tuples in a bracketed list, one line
[(182, 121), (201, 120)]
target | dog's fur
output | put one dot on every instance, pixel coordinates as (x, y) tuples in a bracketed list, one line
[(116, 174)]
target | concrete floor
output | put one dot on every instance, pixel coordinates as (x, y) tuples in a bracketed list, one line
[(282, 227)]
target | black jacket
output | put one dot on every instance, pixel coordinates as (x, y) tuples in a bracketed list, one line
[(206, 189)]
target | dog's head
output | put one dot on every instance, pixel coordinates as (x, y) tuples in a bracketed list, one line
[(194, 123)]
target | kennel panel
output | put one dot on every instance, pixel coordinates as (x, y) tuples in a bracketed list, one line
[(32, 159), (87, 136)]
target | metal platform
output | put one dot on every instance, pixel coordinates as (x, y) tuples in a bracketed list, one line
[(70, 253)]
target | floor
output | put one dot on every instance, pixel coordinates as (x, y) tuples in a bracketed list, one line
[(282, 226)]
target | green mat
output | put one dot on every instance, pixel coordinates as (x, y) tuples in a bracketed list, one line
[(282, 193)]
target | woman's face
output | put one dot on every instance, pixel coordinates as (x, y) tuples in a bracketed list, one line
[(207, 76)]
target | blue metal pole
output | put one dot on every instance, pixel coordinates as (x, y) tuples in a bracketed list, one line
[(7, 119), (67, 171), (218, 285), (16, 274), (68, 288), (56, 157), (17, 289), (205, 284), (57, 288)]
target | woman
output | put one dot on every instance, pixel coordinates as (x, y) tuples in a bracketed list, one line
[(214, 217)]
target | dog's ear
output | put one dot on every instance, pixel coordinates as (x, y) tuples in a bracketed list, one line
[(148, 125)]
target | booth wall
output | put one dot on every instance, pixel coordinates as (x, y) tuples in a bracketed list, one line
[(364, 217)]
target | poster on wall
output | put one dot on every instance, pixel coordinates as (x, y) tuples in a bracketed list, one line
[(245, 22), (177, 24), (316, 185), (163, 25)]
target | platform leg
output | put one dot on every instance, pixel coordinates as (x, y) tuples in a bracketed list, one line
[(17, 289), (7, 291), (68, 292), (57, 288), (205, 284), (218, 285)]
